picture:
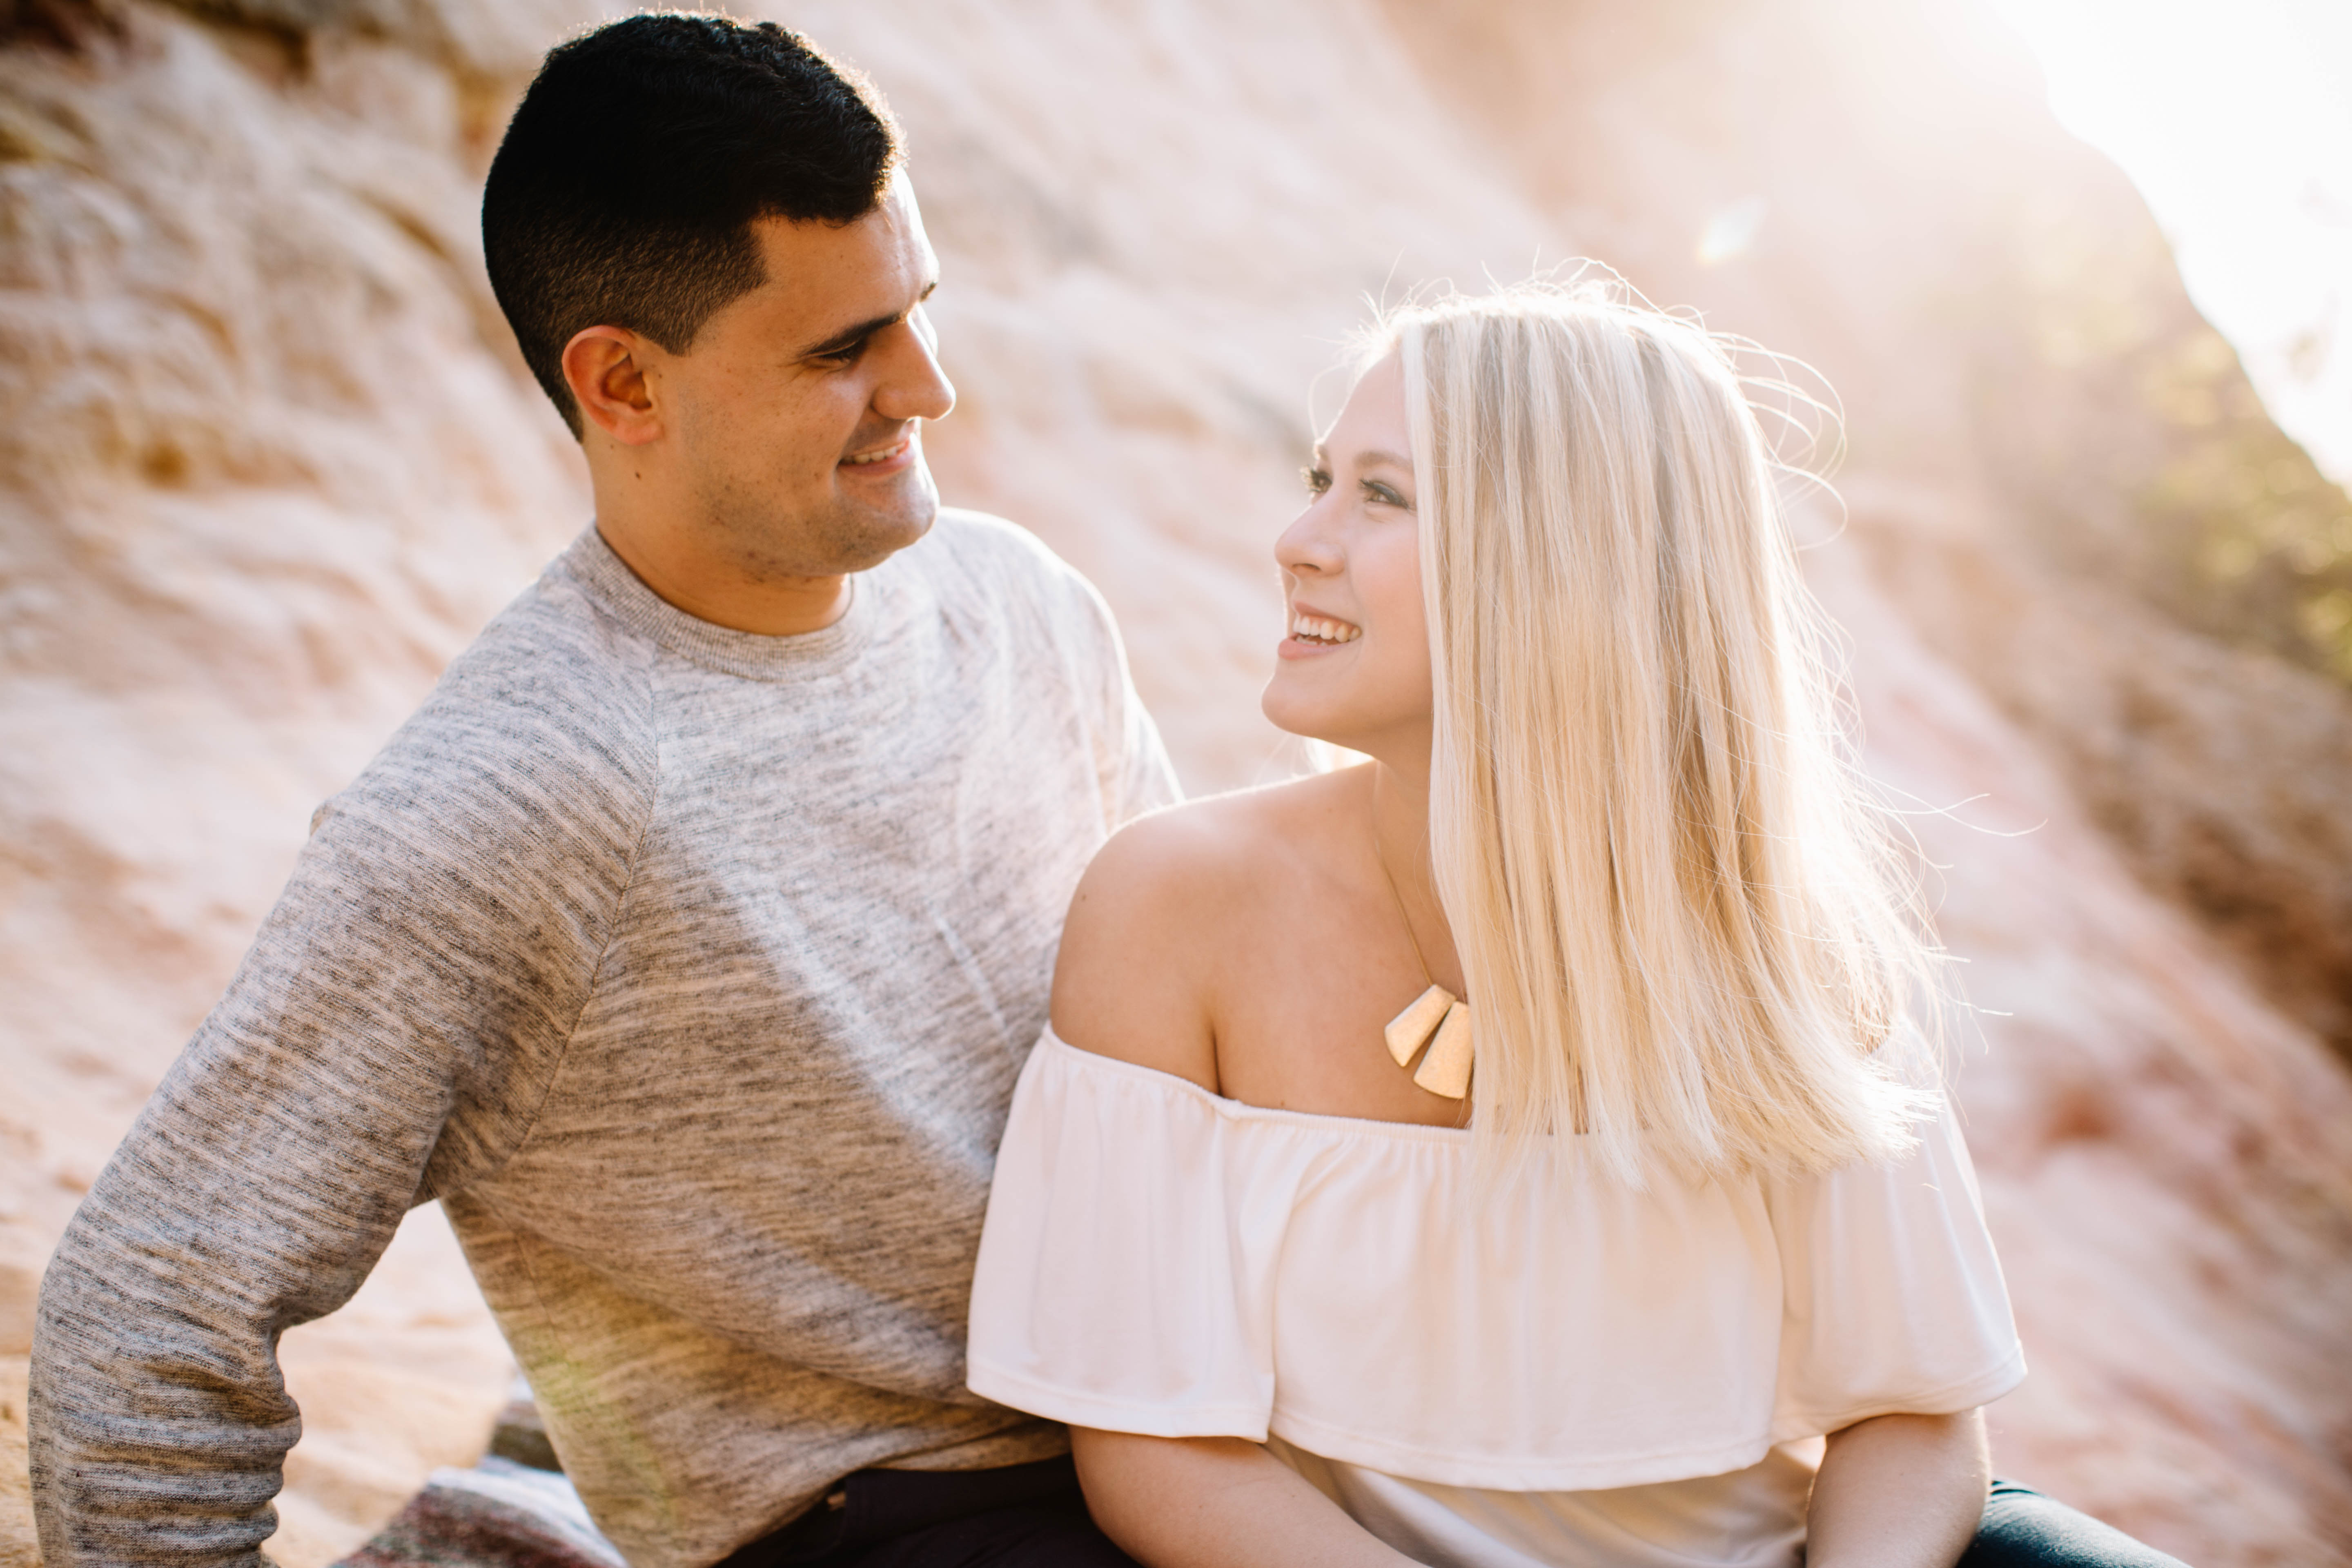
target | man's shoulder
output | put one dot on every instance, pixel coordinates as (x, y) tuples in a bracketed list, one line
[(973, 535), (553, 659), (549, 707), (1004, 560), (554, 638)]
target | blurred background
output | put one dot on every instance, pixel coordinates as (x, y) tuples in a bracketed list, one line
[(2080, 270)]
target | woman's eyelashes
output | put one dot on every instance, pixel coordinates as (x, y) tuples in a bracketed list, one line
[(1379, 491)]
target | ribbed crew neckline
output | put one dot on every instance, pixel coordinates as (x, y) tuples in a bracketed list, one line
[(590, 563)]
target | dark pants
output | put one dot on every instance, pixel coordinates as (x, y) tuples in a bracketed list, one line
[(1024, 1516), (1032, 1516), (2024, 1527)]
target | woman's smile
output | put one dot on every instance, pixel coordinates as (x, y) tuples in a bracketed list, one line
[(1312, 634)]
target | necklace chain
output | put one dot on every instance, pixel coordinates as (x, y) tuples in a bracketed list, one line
[(1403, 914), (1436, 1018)]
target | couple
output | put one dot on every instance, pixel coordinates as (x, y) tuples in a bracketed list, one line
[(1508, 1150)]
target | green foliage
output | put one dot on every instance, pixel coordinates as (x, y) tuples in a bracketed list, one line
[(2244, 537)]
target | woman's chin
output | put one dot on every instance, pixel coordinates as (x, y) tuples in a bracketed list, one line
[(1307, 721), (1282, 712)]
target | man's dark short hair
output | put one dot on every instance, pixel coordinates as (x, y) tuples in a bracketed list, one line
[(625, 192)]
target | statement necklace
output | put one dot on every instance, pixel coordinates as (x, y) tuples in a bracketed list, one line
[(1437, 1018)]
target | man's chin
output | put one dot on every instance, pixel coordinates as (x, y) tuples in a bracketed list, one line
[(873, 532), (885, 537)]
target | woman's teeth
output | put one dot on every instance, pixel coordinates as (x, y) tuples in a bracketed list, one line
[(1315, 628)]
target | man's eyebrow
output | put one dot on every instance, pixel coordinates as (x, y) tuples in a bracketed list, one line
[(843, 342)]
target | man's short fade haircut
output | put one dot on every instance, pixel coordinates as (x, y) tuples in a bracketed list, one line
[(625, 189)]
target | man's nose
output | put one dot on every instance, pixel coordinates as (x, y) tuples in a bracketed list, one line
[(913, 387)]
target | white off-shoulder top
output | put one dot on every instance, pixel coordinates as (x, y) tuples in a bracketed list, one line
[(1554, 1367)]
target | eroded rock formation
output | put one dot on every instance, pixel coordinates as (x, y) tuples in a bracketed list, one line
[(267, 459)]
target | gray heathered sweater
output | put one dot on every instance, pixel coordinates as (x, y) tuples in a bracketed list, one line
[(691, 970)]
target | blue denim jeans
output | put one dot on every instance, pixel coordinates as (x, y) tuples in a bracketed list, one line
[(2022, 1528)]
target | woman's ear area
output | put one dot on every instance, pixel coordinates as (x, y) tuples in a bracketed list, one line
[(607, 369)]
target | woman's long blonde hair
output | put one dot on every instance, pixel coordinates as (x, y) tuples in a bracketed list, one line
[(1678, 915)]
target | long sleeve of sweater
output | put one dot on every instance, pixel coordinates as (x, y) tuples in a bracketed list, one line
[(386, 1041)]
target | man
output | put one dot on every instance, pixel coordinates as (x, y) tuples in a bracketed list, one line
[(686, 944)]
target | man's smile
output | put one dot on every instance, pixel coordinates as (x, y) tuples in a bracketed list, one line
[(879, 457)]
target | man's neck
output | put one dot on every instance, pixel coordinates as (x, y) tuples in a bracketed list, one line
[(729, 596)]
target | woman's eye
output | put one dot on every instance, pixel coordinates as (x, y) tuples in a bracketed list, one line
[(1317, 479), (1387, 495)]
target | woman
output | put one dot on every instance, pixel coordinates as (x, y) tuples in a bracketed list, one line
[(1518, 1148)]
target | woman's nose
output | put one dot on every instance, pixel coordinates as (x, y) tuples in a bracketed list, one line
[(1309, 547)]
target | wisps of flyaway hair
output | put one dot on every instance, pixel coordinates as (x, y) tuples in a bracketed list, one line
[(1680, 916)]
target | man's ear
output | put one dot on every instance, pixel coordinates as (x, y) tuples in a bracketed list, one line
[(606, 368)]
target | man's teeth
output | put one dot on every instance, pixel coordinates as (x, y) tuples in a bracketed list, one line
[(864, 458), (1315, 628)]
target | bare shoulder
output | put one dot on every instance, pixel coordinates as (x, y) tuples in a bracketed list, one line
[(1155, 917)]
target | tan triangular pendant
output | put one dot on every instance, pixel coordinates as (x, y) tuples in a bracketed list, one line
[(1446, 1069), (1411, 1029)]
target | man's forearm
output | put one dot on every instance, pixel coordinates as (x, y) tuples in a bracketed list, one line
[(1900, 1491), (403, 985), (159, 1420), (1215, 1502)]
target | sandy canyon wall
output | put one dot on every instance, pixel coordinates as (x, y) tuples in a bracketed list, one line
[(266, 460)]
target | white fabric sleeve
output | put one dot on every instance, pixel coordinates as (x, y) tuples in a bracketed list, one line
[(1111, 1290), (1893, 1297)]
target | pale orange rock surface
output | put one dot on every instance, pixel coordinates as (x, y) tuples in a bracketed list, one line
[(266, 461), (16, 1545)]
